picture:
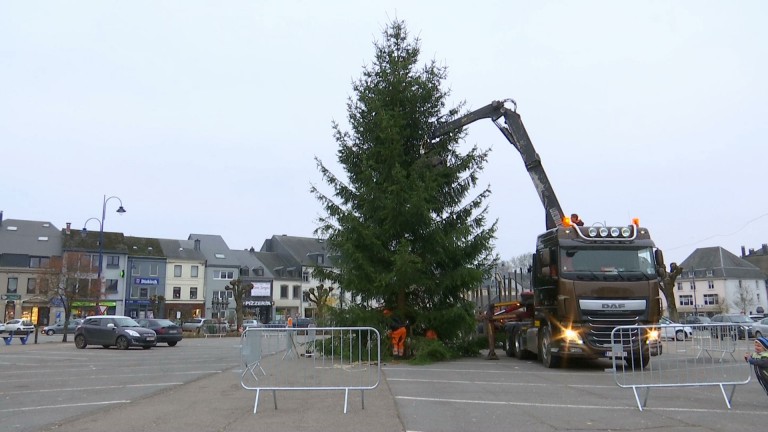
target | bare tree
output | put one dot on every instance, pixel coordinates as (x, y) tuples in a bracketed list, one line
[(239, 290), (68, 279), (319, 297), (668, 279), (745, 298)]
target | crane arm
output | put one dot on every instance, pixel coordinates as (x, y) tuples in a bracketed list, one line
[(514, 131)]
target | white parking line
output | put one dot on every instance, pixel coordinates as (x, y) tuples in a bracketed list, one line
[(503, 383), (92, 388), (63, 406), (596, 407), (113, 376)]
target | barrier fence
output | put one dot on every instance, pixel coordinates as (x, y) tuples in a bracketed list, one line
[(317, 358), (692, 355)]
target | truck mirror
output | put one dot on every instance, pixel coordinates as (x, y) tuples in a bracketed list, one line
[(659, 257)]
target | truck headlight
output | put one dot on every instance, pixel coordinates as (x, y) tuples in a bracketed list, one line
[(572, 336), (653, 335)]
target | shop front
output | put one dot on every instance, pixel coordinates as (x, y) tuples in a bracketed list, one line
[(141, 308), (85, 308), (259, 309)]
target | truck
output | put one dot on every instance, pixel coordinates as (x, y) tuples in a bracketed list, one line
[(586, 280)]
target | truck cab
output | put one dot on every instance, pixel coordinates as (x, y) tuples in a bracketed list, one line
[(587, 281)]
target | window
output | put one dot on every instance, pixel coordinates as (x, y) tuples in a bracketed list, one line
[(679, 286), (194, 271), (143, 292), (177, 292), (297, 291), (224, 274), (111, 286), (709, 273), (305, 276), (321, 259), (12, 285), (135, 270), (711, 284), (283, 291), (686, 300), (38, 262), (193, 293), (113, 261), (154, 269), (259, 271), (693, 285), (710, 299), (32, 286), (177, 271)]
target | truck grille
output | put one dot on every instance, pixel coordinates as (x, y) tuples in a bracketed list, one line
[(601, 325)]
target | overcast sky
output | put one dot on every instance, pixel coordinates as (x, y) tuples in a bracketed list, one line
[(205, 116)]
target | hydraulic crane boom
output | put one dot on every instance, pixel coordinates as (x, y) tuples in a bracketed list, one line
[(516, 134)]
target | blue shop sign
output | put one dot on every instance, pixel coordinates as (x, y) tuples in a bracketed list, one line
[(146, 281)]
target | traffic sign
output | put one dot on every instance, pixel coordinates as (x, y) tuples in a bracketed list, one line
[(10, 296)]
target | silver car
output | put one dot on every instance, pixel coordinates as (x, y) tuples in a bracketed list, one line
[(760, 328), (58, 328), (672, 330)]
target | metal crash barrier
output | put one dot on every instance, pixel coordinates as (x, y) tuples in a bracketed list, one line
[(218, 330), (316, 358), (682, 356)]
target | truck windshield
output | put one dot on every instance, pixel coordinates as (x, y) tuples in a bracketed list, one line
[(621, 261)]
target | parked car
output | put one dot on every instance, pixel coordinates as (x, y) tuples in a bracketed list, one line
[(249, 323), (196, 325), (760, 328), (113, 330), (166, 330), (741, 326), (276, 324), (756, 317), (19, 326), (303, 322), (696, 319), (671, 330), (58, 327)]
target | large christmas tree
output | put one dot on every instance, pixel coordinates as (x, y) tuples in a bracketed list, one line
[(405, 228)]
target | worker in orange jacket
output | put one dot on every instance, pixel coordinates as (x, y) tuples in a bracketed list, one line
[(397, 333)]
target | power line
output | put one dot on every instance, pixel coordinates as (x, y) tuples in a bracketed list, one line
[(719, 235)]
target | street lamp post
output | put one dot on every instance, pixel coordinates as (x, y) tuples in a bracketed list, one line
[(120, 210)]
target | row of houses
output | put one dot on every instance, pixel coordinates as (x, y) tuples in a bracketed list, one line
[(143, 277)]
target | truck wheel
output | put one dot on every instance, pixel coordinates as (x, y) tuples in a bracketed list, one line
[(638, 361), (680, 335), (548, 359), (520, 352), (511, 344)]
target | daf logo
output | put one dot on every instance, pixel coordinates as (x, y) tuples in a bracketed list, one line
[(614, 305)]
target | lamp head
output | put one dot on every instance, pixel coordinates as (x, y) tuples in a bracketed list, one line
[(84, 232), (121, 210)]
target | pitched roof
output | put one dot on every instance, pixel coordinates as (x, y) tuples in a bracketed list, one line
[(181, 249), (302, 250), (26, 237), (722, 263), (215, 250)]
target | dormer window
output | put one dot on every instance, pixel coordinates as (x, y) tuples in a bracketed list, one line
[(321, 259), (219, 256)]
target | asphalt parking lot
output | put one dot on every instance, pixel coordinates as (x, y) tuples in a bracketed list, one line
[(195, 386)]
